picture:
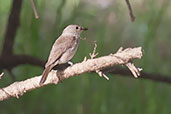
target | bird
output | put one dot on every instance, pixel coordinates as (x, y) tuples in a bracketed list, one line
[(63, 49)]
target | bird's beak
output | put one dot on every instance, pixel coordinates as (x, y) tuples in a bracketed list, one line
[(82, 28)]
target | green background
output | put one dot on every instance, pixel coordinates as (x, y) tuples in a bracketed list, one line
[(110, 25)]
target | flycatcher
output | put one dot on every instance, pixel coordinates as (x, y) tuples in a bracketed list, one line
[(63, 49)]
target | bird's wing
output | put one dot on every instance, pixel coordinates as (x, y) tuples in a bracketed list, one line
[(59, 47)]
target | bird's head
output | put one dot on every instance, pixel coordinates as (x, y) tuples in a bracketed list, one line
[(73, 30)]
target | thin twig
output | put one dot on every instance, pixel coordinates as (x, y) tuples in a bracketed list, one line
[(135, 71), (85, 59), (130, 11), (94, 54), (120, 50), (101, 74), (83, 38), (1, 75), (34, 9)]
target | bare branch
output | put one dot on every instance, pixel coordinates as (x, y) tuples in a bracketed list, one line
[(19, 88), (144, 75), (34, 9), (8, 62), (130, 11), (13, 24)]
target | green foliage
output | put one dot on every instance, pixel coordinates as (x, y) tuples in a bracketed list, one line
[(111, 26)]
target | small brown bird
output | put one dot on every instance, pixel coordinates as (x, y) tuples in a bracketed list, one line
[(63, 49)]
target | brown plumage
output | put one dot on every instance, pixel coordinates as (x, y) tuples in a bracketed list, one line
[(63, 49), (45, 73)]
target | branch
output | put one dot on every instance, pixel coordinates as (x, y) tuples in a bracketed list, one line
[(123, 57), (130, 11), (8, 62), (144, 75), (34, 9), (13, 24)]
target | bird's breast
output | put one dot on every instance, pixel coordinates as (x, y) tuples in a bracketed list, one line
[(70, 52)]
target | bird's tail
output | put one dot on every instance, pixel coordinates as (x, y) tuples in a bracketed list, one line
[(45, 74)]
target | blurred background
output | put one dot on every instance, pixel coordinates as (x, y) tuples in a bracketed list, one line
[(110, 25)]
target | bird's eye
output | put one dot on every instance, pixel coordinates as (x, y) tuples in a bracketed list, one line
[(76, 27)]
